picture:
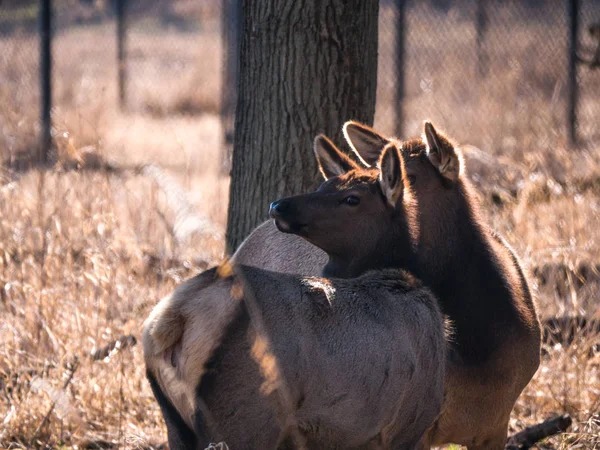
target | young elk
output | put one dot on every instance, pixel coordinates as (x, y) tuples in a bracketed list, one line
[(480, 286), (359, 361)]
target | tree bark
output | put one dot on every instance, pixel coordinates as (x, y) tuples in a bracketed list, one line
[(305, 68), (230, 22)]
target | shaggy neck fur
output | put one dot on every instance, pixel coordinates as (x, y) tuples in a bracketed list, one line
[(469, 271)]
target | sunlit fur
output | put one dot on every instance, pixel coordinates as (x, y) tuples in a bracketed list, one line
[(481, 287), (299, 347)]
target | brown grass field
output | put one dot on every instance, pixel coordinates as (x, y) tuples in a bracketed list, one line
[(86, 253)]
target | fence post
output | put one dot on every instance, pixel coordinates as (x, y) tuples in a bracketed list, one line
[(231, 22), (573, 95), (45, 24), (121, 51), (400, 55), (481, 23)]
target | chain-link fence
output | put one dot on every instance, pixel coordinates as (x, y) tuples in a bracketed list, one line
[(494, 73), (19, 79), (169, 75)]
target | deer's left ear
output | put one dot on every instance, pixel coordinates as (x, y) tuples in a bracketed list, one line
[(391, 175), (332, 162), (442, 153)]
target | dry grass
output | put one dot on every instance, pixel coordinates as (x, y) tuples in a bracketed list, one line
[(84, 258), (84, 255)]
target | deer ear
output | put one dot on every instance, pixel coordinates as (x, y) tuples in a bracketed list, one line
[(365, 142), (332, 162), (391, 175), (441, 153)]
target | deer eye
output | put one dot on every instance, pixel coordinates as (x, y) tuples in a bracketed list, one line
[(352, 200)]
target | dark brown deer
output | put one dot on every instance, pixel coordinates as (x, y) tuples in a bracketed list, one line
[(479, 283), (362, 359)]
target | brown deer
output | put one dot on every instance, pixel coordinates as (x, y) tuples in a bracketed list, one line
[(362, 359), (480, 286)]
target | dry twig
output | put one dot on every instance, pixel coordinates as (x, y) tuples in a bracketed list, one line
[(529, 436), (121, 343)]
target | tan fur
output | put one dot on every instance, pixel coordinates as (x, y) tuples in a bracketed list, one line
[(160, 328), (266, 247), (197, 326), (332, 385), (479, 400)]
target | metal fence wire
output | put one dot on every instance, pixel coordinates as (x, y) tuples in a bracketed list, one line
[(493, 73)]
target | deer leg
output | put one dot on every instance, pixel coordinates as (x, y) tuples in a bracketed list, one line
[(494, 442)]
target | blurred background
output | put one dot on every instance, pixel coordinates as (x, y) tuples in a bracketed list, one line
[(143, 99)]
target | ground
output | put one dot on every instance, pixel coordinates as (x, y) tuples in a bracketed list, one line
[(86, 252)]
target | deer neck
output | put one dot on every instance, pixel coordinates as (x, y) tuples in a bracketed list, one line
[(468, 277), (396, 250)]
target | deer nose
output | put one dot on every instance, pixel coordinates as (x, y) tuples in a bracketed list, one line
[(278, 209)]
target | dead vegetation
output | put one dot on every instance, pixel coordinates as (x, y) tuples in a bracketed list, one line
[(85, 254)]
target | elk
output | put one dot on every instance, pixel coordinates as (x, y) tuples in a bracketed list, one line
[(479, 283), (359, 360)]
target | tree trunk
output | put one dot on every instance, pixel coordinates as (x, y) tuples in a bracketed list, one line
[(230, 22), (305, 68)]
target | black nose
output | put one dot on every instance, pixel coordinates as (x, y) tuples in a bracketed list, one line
[(278, 209)]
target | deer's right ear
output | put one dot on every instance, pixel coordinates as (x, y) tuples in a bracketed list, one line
[(365, 142), (442, 153), (332, 162), (391, 176)]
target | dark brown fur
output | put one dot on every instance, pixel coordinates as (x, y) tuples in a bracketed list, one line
[(351, 235), (482, 289)]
